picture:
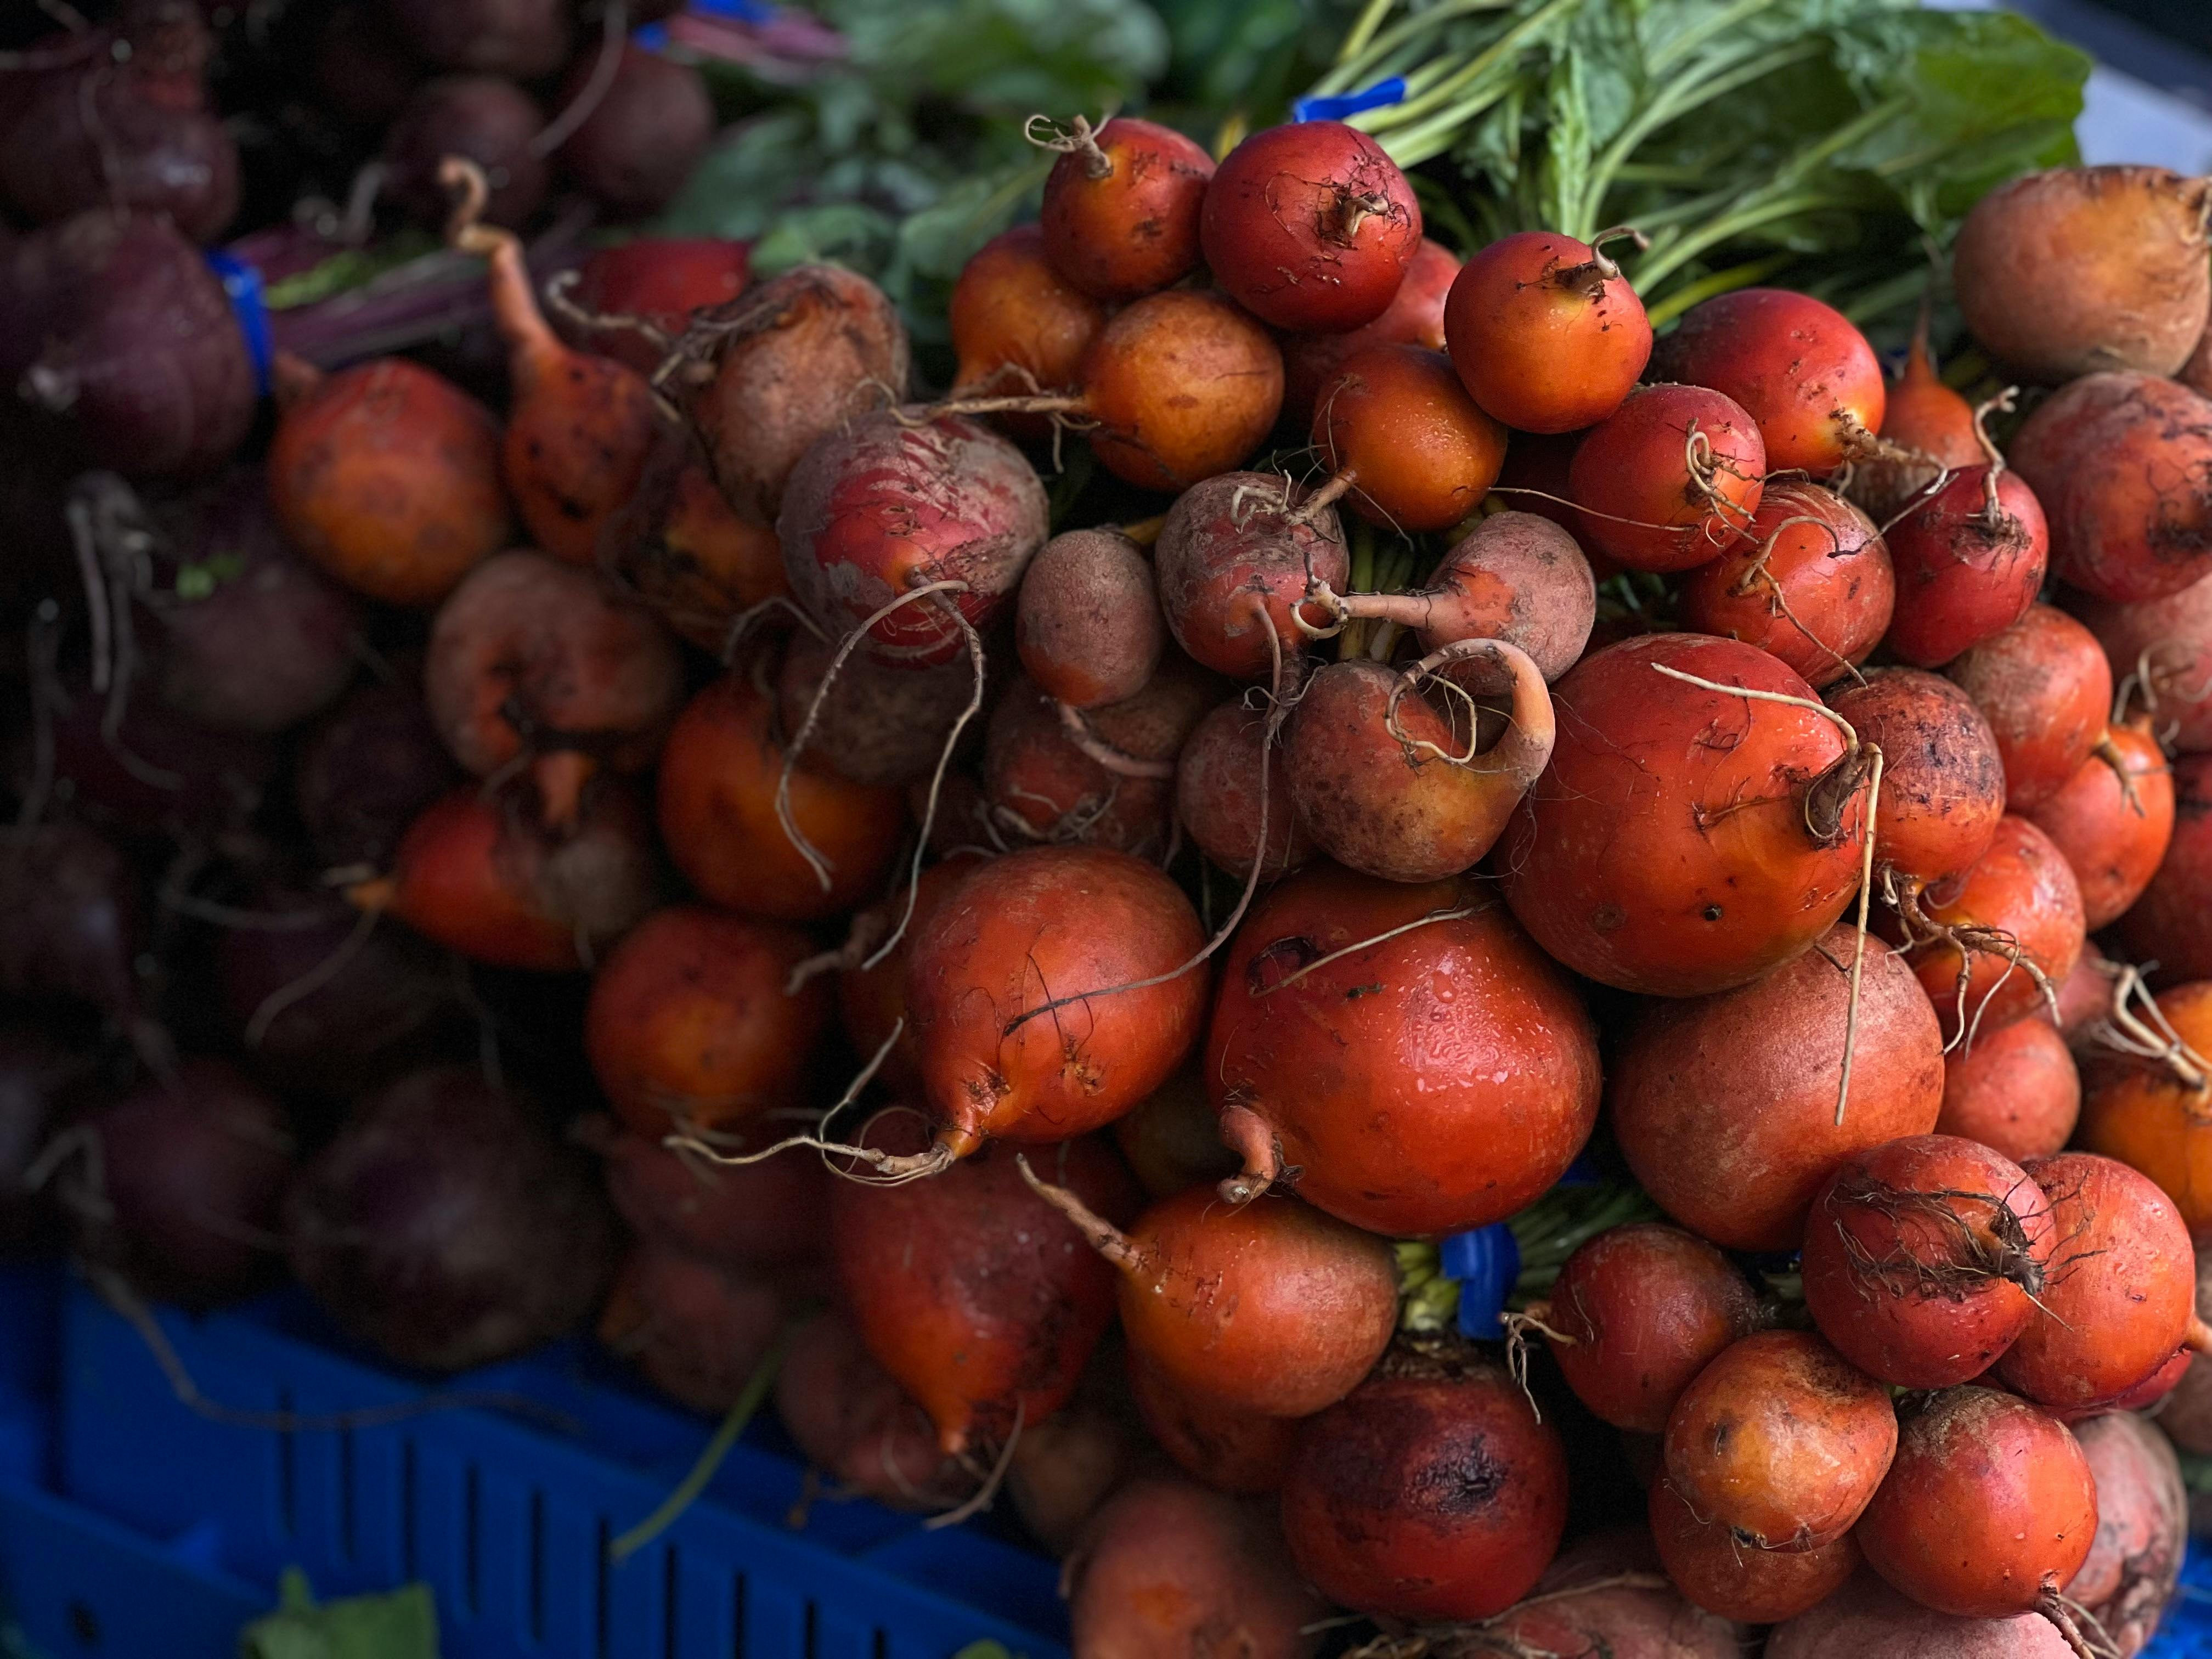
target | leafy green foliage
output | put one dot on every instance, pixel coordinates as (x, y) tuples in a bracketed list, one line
[(401, 1623)]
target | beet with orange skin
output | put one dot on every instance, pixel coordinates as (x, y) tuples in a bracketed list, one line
[(1989, 1507), (1922, 1258), (524, 38), (2149, 1116), (793, 359), (1782, 1440), (1690, 863), (716, 811), (2123, 466), (1667, 480), (1120, 214), (2133, 1568), (2165, 925), (1421, 453), (482, 118), (1018, 325), (2113, 820), (640, 140), (661, 281), (1547, 333), (1715, 1570), (1725, 1105), (1233, 546), (2120, 1291), (871, 1001), (1451, 1097), (2172, 638), (857, 1425), (1415, 316), (1928, 421), (1801, 368), (387, 476), (2015, 1090), (2078, 269), (690, 1026), (1645, 1308), (1219, 777), (700, 566), (890, 501), (2044, 688), (1431, 1493), (1182, 385), (1809, 582), (1026, 930), (1088, 623), (1228, 1448), (2023, 893), (1942, 781), (1169, 1567), (768, 1214), (878, 724), (697, 1329), (971, 1291), (1311, 226), (1966, 569)]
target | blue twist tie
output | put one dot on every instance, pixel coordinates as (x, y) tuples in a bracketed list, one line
[(1392, 91), (241, 284), (655, 36), (1486, 1262)]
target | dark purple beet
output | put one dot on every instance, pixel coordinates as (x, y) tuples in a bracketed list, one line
[(367, 769), (160, 773), (444, 1225), (116, 329), (255, 639), (524, 38), (121, 121), (491, 122), (361, 67), (35, 1071), (183, 1195), (634, 151), (69, 918)]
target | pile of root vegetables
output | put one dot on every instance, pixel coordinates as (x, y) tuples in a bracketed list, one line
[(1057, 915)]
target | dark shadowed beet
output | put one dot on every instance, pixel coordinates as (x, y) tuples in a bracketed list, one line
[(697, 1329), (180, 1184), (69, 918), (444, 1225), (365, 771), (634, 151), (35, 1072), (483, 120), (361, 69), (118, 330), (770, 1214), (858, 1427), (661, 281), (524, 38), (159, 772)]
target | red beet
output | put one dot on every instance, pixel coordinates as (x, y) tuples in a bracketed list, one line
[(1101, 779), (1928, 429), (156, 772), (2166, 924), (1969, 559), (1868, 1620), (481, 118), (2044, 686), (1810, 581), (1547, 334), (2018, 904), (871, 1001), (2113, 819), (1179, 387), (662, 281), (2165, 646), (1018, 325), (1088, 627), (632, 152), (37, 1075), (524, 38), (1806, 374), (364, 771), (69, 919), (1229, 1448), (2134, 1567), (878, 725), (1401, 435), (1714, 1568), (1217, 783), (768, 1214)]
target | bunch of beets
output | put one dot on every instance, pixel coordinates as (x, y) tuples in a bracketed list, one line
[(957, 942)]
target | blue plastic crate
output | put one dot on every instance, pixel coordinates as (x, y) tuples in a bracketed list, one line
[(507, 1517)]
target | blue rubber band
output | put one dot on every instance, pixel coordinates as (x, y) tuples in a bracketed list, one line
[(655, 36), (1486, 1262), (1392, 91), (241, 284)]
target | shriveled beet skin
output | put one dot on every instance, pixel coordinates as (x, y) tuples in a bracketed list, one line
[(361, 775), (444, 1225)]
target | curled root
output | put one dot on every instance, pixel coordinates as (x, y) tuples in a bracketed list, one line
[(2138, 1028), (559, 293), (1777, 602), (1992, 517), (1525, 750), (2068, 1618), (1080, 138), (1517, 1327), (1939, 1253), (2109, 752), (1079, 731)]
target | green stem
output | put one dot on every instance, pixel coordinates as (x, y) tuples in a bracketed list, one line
[(1350, 74), (1656, 270), (1749, 274), (1442, 92), (1698, 33), (1370, 19)]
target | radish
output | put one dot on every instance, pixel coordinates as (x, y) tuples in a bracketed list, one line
[(535, 665), (1088, 623), (1050, 992), (2166, 924), (1809, 581), (695, 1329), (1102, 778), (1801, 370), (1943, 785), (1178, 387), (1926, 430), (2163, 647), (1969, 554), (2119, 1297), (1923, 1259), (1401, 1056), (387, 476), (1711, 1565), (1988, 1509), (788, 362), (697, 563), (1228, 1448), (2146, 1087), (1669, 479), (891, 503), (1168, 1566), (719, 771), (876, 725), (2015, 1090), (365, 770), (483, 119), (1017, 323), (969, 1289), (1225, 767), (1547, 334), (524, 38), (632, 299), (1723, 845), (871, 991), (2046, 692), (1173, 1139), (769, 1214), (1235, 561), (1727, 1106), (2133, 1569), (637, 144), (857, 1425), (1990, 945), (1410, 448), (2078, 269), (689, 1027), (2123, 466), (1120, 209), (2113, 820), (445, 1227), (1431, 1493), (1415, 316), (1270, 1307), (1311, 226), (1636, 1313), (1867, 1620), (1389, 783)]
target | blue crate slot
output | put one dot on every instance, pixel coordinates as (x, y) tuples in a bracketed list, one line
[(2187, 1633), (508, 1517)]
